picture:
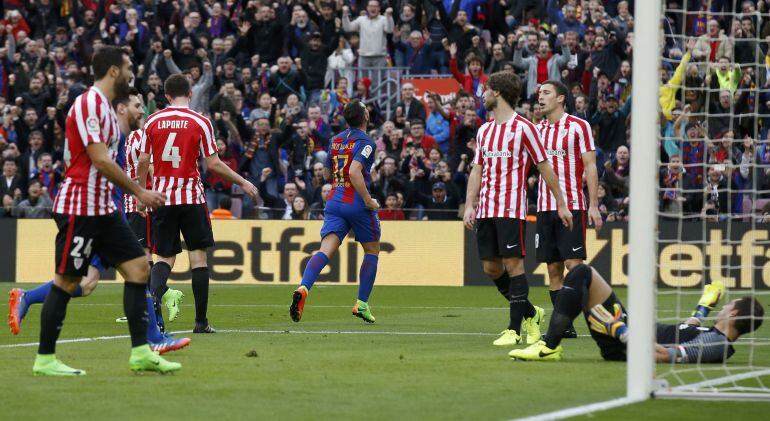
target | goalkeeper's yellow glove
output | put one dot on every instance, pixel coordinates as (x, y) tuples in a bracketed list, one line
[(602, 321)]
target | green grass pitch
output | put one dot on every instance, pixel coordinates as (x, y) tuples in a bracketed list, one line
[(429, 356)]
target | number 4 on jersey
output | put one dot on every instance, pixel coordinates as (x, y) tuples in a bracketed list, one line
[(171, 152)]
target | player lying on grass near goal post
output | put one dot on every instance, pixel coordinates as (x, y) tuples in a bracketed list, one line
[(130, 112), (689, 342)]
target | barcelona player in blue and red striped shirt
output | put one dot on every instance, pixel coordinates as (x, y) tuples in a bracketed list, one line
[(349, 206)]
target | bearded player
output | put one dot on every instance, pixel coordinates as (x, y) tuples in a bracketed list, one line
[(87, 220), (129, 111)]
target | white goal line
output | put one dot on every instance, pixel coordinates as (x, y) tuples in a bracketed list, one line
[(277, 331), (581, 410), (73, 303)]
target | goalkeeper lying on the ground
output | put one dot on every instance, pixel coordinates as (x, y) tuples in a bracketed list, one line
[(586, 291)]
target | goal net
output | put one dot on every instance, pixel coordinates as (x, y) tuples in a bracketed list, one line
[(713, 190)]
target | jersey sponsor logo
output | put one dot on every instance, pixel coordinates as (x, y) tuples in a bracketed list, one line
[(497, 154), (172, 124), (555, 152), (92, 125), (508, 246), (367, 151), (576, 248)]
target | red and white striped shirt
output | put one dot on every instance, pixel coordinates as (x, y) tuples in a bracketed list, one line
[(176, 137), (565, 142), (84, 191), (132, 164), (504, 150)]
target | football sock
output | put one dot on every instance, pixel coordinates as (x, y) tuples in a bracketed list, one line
[(570, 301), (503, 283), (159, 278), (37, 295), (366, 276), (153, 332), (200, 287), (135, 307), (521, 308), (314, 267), (553, 295), (52, 319)]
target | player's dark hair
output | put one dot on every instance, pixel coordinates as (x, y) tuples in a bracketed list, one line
[(354, 113), (508, 84), (106, 57), (560, 88), (124, 99), (750, 314), (177, 86)]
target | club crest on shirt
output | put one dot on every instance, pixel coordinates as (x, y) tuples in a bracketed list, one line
[(92, 125), (497, 154), (78, 262)]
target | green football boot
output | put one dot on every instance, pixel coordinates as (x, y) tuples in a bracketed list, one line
[(532, 325), (172, 299), (537, 352), (48, 365), (362, 310), (144, 359)]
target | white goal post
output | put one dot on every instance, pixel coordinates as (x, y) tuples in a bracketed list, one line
[(642, 259)]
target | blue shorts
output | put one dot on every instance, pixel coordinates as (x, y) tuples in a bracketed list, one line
[(340, 218)]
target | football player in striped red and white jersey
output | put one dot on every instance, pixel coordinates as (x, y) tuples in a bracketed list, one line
[(87, 219), (569, 146), (176, 137), (496, 202)]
